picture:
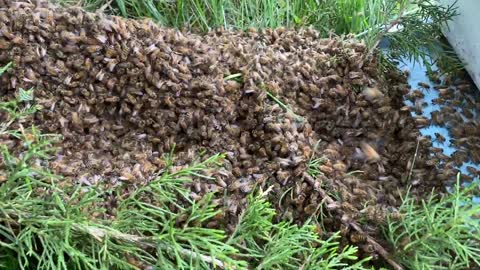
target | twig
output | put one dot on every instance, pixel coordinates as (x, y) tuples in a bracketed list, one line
[(413, 163), (389, 27), (378, 248), (100, 234), (382, 25), (382, 34), (102, 8)]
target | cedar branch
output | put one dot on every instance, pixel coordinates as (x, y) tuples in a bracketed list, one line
[(378, 248)]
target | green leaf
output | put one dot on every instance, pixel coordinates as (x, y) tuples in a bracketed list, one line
[(297, 20), (25, 95), (5, 68), (121, 6)]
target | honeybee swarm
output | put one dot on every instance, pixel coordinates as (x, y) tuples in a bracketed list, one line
[(123, 92)]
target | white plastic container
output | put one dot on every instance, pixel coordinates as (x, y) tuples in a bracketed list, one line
[(463, 34)]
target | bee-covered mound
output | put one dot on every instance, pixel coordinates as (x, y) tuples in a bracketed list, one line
[(280, 104)]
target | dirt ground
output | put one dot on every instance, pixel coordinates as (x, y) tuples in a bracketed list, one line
[(123, 92)]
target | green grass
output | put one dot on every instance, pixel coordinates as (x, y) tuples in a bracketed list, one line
[(343, 16), (314, 163), (284, 106), (439, 232), (367, 20)]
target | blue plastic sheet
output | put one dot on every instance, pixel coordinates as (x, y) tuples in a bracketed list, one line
[(418, 73)]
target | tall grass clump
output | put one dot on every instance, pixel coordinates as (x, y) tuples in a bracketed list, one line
[(438, 233), (411, 27)]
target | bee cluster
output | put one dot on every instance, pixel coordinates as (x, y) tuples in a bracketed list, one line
[(457, 111), (370, 143), (123, 92)]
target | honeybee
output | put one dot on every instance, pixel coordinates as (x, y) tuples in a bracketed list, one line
[(76, 120), (360, 192), (437, 118), (326, 169), (344, 229), (100, 75), (472, 170), (422, 121), (374, 213), (370, 249), (464, 87), (434, 77), (333, 206), (467, 113), (283, 176), (340, 166), (69, 37), (475, 156), (345, 195), (384, 109), (370, 153), (310, 209), (457, 131), (356, 237), (93, 49), (340, 90), (418, 108), (195, 196), (439, 137), (416, 94), (127, 175), (405, 108), (459, 157), (444, 93), (331, 153), (372, 93), (318, 229), (438, 101), (442, 156), (424, 85)]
